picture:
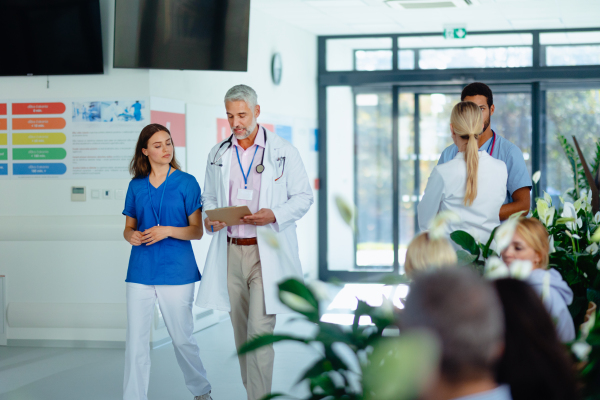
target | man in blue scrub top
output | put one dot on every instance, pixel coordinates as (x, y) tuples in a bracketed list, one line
[(519, 182)]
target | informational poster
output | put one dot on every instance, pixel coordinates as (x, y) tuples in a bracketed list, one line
[(70, 138)]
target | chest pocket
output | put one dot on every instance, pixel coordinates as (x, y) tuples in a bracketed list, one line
[(280, 191)]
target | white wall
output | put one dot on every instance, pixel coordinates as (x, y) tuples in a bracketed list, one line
[(56, 252)]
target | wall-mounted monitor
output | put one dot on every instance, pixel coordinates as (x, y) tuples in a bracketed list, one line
[(50, 37), (182, 34)]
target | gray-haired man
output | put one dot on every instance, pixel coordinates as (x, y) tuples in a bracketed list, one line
[(246, 261), (465, 313)]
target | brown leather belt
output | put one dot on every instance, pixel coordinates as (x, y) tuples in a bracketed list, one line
[(243, 241)]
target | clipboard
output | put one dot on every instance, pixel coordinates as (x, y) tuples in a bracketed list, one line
[(230, 215)]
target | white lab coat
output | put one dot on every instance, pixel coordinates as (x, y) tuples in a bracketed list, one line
[(445, 190), (289, 198)]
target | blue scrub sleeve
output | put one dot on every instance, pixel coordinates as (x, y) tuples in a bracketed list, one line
[(130, 203), (192, 197), (518, 174), (448, 154)]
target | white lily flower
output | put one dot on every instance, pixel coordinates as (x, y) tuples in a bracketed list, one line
[(597, 218), (495, 269), (439, 224), (576, 236), (520, 269), (551, 242), (548, 198), (579, 223), (536, 176), (319, 289), (505, 233), (296, 302), (592, 248), (577, 205), (549, 220), (581, 350), (542, 209), (596, 236), (569, 212)]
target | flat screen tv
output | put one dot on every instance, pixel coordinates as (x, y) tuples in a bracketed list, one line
[(182, 34), (50, 37)]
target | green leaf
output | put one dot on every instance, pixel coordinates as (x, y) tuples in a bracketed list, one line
[(320, 367), (465, 258), (345, 209), (332, 333), (486, 249), (272, 396), (400, 368), (564, 220), (265, 340), (466, 241), (593, 295), (297, 296)]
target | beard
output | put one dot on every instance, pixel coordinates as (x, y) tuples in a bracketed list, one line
[(486, 124), (248, 132)]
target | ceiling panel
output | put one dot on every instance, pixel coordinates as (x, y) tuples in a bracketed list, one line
[(329, 17)]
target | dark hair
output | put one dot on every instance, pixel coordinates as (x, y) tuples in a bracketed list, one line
[(465, 313), (140, 165), (535, 364), (478, 89)]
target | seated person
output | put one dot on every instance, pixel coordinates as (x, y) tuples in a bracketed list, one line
[(464, 312), (472, 185), (535, 364), (530, 243), (425, 253)]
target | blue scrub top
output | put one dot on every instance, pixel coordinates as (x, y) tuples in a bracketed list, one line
[(170, 261), (504, 150)]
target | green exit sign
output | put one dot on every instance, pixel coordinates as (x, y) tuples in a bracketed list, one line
[(455, 33)]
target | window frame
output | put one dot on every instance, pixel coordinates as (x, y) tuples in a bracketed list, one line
[(538, 77)]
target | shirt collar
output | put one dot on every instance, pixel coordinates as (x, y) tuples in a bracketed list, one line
[(489, 141), (259, 140)]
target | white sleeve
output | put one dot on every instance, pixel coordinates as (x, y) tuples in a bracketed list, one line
[(209, 194), (432, 198)]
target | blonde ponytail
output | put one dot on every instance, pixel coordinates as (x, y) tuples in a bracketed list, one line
[(467, 122)]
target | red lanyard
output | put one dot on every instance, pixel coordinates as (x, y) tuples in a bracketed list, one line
[(492, 145)]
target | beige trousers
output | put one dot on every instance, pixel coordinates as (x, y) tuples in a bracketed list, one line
[(249, 318)]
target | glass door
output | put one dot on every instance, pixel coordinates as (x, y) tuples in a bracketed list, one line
[(424, 133), (382, 144)]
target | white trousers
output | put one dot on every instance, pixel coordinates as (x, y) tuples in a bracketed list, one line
[(175, 303)]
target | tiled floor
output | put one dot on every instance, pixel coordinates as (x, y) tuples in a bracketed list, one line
[(97, 374), (93, 374)]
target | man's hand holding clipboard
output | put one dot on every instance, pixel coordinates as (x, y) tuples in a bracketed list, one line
[(219, 218)]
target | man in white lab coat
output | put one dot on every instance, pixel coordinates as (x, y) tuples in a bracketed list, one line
[(245, 262)]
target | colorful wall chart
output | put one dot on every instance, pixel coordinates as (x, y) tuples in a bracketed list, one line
[(70, 138)]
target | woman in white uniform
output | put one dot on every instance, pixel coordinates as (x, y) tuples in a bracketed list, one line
[(473, 184)]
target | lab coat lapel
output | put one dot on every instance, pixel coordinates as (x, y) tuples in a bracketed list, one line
[(266, 180), (225, 173)]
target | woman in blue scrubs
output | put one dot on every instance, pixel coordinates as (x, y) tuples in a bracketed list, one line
[(163, 214)]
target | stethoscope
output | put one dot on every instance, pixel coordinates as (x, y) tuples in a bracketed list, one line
[(229, 142)]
